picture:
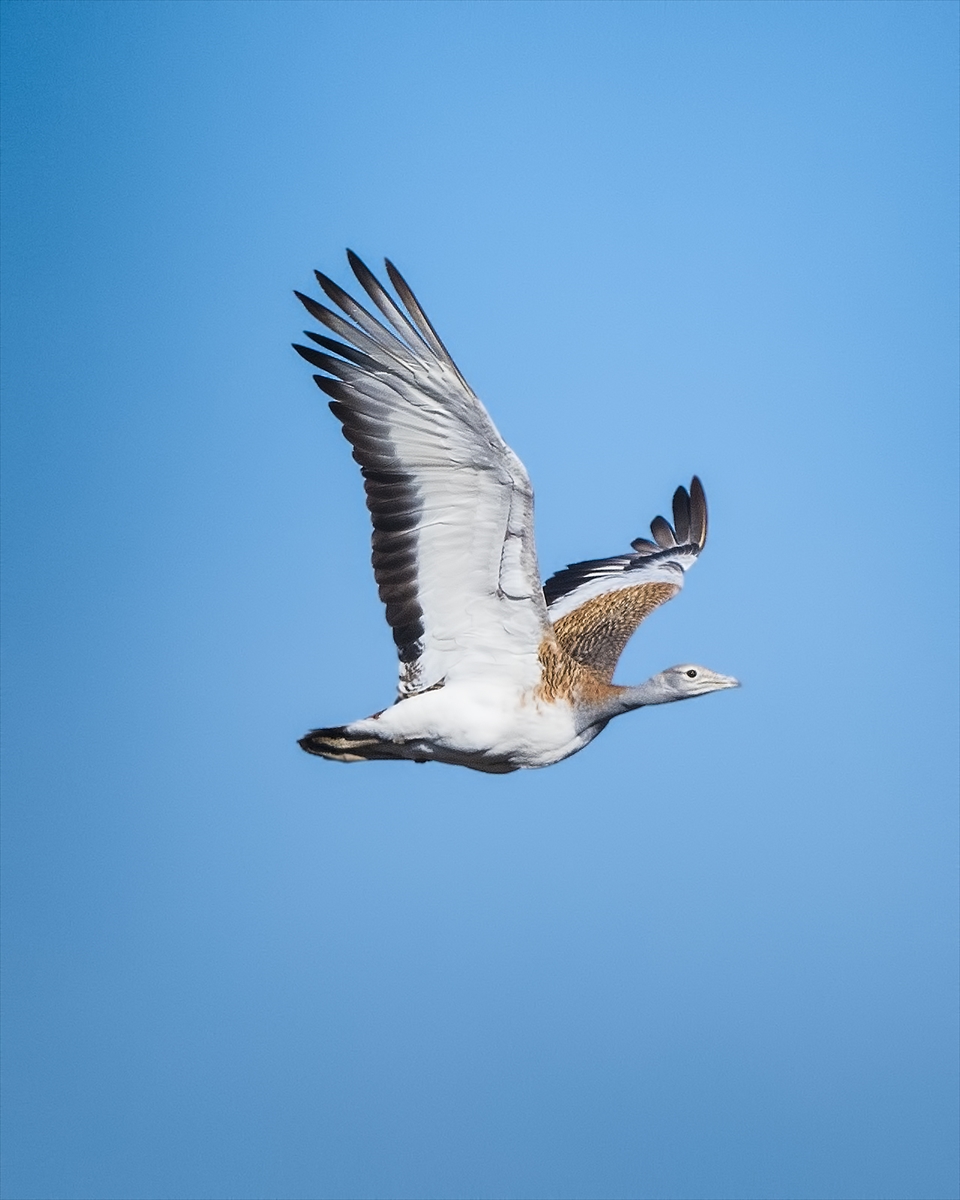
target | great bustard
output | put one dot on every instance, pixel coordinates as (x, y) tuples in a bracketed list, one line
[(497, 671)]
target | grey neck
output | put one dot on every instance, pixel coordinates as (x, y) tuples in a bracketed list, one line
[(654, 691)]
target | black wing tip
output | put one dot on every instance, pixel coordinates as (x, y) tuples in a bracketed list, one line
[(405, 291), (689, 521), (663, 533), (306, 353), (314, 308), (330, 286), (341, 298), (394, 275), (359, 268), (689, 505), (331, 387), (698, 512)]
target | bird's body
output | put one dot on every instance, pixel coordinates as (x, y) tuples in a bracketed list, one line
[(497, 671), (485, 724)]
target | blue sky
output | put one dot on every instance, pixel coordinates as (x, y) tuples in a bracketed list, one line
[(714, 955)]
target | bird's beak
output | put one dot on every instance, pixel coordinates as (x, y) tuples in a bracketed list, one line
[(727, 681)]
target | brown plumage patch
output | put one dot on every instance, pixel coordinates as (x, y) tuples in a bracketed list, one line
[(595, 633), (564, 678)]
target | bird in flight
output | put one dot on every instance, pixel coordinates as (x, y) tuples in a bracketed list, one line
[(498, 671)]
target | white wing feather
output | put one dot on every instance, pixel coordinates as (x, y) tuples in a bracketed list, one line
[(452, 505)]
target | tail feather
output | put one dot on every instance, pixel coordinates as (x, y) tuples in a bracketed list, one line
[(340, 745)]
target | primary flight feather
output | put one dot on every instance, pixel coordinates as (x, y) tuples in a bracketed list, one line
[(497, 670)]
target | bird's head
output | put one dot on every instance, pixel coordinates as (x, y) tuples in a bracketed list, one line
[(676, 683), (687, 680)]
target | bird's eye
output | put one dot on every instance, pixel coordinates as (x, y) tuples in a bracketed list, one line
[(691, 674)]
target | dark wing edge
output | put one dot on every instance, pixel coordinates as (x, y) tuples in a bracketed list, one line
[(361, 384), (672, 543)]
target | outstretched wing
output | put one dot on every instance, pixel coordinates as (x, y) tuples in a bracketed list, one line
[(596, 606), (452, 506)]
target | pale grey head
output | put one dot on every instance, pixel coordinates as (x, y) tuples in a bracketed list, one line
[(682, 682)]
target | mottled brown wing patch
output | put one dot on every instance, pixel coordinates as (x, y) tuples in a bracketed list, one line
[(563, 678), (595, 633)]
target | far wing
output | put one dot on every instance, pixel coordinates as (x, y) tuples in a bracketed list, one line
[(596, 606), (452, 506)]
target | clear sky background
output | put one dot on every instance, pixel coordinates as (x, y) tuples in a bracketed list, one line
[(714, 955)]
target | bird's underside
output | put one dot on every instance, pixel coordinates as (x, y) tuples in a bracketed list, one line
[(497, 671)]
